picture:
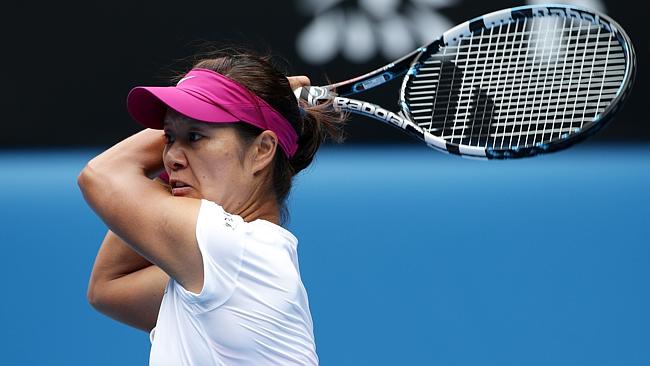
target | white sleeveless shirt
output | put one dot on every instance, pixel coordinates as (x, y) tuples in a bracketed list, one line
[(253, 308)]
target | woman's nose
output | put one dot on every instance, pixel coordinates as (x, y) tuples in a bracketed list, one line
[(175, 159)]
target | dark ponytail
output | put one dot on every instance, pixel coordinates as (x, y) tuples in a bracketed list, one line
[(314, 124), (319, 123)]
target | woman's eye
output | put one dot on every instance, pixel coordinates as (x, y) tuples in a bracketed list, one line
[(169, 138), (193, 136)]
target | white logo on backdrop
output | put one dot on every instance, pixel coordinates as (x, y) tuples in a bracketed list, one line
[(362, 29)]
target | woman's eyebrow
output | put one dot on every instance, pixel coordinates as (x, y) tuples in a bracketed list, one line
[(197, 125), (177, 124), (206, 126), (169, 124)]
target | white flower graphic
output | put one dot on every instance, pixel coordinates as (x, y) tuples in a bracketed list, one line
[(359, 30)]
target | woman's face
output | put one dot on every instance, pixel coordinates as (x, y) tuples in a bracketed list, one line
[(206, 160)]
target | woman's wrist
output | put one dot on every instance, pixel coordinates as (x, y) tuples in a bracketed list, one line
[(142, 150), (145, 149)]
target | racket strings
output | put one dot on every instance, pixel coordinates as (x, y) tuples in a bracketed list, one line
[(518, 84)]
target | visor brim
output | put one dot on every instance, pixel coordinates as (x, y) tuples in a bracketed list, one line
[(148, 106)]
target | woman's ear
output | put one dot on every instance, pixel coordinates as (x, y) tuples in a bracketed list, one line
[(263, 151)]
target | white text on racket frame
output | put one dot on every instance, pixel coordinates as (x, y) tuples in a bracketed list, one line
[(370, 110)]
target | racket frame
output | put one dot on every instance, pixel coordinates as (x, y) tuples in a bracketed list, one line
[(409, 65)]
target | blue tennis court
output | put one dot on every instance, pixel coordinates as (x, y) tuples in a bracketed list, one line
[(409, 257)]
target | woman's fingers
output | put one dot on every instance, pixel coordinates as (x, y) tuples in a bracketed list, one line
[(297, 81)]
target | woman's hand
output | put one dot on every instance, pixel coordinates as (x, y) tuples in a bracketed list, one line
[(298, 81)]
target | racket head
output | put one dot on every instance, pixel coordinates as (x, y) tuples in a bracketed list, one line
[(519, 82)]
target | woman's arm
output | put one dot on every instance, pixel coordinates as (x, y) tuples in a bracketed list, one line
[(125, 286), (156, 225)]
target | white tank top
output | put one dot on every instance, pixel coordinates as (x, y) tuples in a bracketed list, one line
[(253, 308)]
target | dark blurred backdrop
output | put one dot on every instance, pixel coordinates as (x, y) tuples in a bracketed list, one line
[(68, 66)]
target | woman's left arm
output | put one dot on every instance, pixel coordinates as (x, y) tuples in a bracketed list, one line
[(158, 226)]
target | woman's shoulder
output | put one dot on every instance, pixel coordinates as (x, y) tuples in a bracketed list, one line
[(213, 215), (267, 228)]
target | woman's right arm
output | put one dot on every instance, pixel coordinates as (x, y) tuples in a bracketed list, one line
[(125, 286)]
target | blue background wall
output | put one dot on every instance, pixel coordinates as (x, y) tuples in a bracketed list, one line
[(410, 257)]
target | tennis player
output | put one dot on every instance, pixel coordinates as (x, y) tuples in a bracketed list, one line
[(202, 261)]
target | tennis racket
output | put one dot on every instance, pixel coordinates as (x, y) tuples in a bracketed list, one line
[(513, 83)]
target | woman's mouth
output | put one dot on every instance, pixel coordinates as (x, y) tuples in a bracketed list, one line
[(180, 188)]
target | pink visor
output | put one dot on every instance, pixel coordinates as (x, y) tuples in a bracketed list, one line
[(208, 96)]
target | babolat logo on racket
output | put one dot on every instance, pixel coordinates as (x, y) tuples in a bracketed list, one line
[(369, 109)]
